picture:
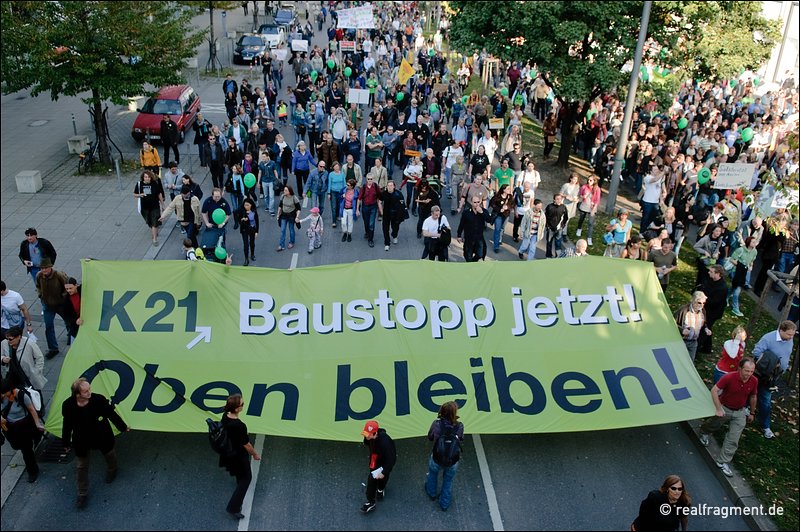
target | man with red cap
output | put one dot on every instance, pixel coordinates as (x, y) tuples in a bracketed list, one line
[(382, 457)]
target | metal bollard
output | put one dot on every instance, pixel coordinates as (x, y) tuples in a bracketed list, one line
[(119, 173)]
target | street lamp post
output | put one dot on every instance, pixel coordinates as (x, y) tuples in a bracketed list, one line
[(626, 121)]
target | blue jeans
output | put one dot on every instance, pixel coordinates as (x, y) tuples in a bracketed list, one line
[(432, 482), (529, 245), (764, 406), (34, 272), (785, 262), (499, 224), (284, 224), (269, 196), (50, 326), (369, 213), (648, 212), (553, 242)]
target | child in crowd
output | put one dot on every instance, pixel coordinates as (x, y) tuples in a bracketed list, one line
[(315, 229)]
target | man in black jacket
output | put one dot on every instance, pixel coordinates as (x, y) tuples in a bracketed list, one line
[(215, 159), (472, 224), (33, 249), (382, 457), (169, 137), (86, 426), (556, 219)]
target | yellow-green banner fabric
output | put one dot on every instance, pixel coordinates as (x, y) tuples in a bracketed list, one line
[(551, 346)]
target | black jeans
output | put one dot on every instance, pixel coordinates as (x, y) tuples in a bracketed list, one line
[(301, 176), (249, 242), (474, 250), (243, 478), (374, 484), (388, 222), (174, 147)]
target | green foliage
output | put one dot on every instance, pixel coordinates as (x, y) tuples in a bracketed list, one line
[(584, 45), (68, 48)]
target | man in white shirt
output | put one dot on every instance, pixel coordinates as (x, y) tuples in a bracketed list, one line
[(652, 193), (14, 311)]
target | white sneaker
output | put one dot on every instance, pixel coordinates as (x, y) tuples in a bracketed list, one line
[(589, 241), (726, 469), (386, 248), (704, 439), (578, 232), (394, 241), (768, 434)]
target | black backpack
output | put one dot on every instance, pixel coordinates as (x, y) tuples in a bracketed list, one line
[(218, 438), (447, 448), (768, 369)]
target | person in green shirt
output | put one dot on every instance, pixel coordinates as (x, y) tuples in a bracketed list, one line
[(374, 148), (502, 176), (742, 260), (372, 85)]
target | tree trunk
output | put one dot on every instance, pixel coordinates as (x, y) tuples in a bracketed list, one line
[(566, 135), (103, 149)]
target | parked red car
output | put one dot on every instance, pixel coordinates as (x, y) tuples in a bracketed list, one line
[(181, 102)]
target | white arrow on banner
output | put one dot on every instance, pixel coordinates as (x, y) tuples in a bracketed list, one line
[(205, 335)]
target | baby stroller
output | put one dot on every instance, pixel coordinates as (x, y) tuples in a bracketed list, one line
[(212, 238)]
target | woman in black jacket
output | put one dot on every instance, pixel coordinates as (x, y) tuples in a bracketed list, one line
[(248, 227), (672, 496), (238, 463)]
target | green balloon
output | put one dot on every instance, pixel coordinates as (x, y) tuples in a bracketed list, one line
[(703, 176), (348, 71), (464, 99), (220, 253), (400, 96), (756, 82), (682, 123), (431, 52), (249, 180), (433, 108), (314, 76), (331, 63), (504, 91), (218, 216), (747, 134)]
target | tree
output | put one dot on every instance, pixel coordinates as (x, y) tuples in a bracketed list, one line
[(581, 47), (109, 49)]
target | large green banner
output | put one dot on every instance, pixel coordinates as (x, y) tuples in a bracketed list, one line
[(550, 346)]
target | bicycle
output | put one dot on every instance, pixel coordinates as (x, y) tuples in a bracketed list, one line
[(87, 159)]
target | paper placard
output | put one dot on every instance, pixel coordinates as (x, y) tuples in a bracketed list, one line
[(280, 54), (782, 200), (347, 46), (496, 123), (441, 88), (299, 46), (734, 175), (357, 17), (359, 96)]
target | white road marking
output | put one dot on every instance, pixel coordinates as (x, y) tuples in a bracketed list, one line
[(255, 466), (491, 498), (294, 261)]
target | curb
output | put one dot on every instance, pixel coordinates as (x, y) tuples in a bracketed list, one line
[(737, 488)]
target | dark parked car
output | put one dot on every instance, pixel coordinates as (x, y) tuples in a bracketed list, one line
[(248, 47), (284, 17)]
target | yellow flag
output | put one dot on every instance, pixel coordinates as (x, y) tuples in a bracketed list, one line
[(405, 72)]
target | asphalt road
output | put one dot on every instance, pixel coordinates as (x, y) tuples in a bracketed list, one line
[(578, 481)]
